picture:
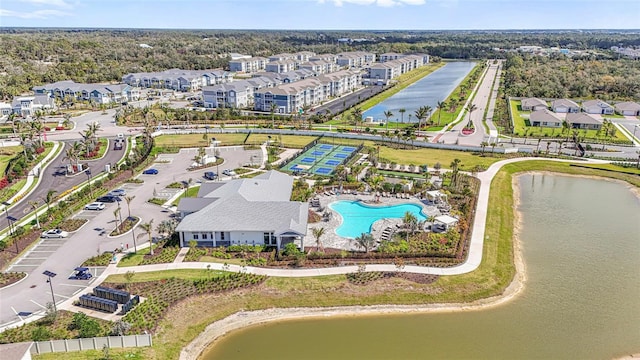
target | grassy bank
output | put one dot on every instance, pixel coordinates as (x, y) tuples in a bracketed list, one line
[(440, 118), (189, 318)]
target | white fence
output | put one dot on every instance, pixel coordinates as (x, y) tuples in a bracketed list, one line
[(96, 343)]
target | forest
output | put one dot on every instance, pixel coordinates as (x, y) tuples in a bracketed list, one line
[(30, 57), (576, 78)]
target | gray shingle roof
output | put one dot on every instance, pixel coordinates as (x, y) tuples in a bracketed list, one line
[(544, 116), (257, 204), (564, 102), (627, 105), (581, 118)]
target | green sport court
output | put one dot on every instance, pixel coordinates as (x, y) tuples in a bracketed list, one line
[(320, 159)]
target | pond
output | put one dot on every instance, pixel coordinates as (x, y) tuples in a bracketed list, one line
[(580, 243), (427, 91)]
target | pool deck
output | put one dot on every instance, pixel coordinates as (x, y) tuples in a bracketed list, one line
[(332, 240)]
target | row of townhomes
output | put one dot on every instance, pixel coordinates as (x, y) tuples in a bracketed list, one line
[(95, 93), (27, 105), (177, 79), (244, 211), (626, 108)]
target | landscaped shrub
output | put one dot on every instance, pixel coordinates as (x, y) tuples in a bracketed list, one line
[(161, 256), (99, 260)]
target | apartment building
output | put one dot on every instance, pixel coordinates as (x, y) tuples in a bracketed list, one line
[(249, 65), (320, 66), (177, 79), (281, 66), (381, 73), (238, 94), (29, 105), (355, 59)]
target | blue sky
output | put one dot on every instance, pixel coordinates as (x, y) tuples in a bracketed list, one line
[(324, 14)]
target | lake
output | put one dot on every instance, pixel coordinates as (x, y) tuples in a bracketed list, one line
[(427, 91), (580, 241)]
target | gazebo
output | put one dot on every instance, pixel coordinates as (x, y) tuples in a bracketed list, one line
[(436, 196), (446, 220)]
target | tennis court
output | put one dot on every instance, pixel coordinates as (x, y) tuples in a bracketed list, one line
[(321, 159)]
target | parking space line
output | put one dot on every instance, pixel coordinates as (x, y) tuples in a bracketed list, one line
[(37, 303), (74, 285)]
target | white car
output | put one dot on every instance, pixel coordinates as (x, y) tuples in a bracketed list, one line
[(229, 172), (95, 206), (54, 233)]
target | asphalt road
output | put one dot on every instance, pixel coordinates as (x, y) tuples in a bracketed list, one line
[(53, 178)]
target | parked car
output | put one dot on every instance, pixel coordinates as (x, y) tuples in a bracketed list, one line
[(229, 172), (108, 199), (54, 233), (210, 175), (151, 171), (82, 273), (95, 206), (117, 192)]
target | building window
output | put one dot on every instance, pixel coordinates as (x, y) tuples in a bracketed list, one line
[(222, 236), (195, 236), (204, 236)]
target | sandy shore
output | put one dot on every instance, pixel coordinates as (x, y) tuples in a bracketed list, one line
[(240, 320)]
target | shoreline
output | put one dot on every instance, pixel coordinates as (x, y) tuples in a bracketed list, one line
[(241, 320)]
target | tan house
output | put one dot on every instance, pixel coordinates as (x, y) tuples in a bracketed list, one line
[(583, 121), (545, 118), (532, 104), (564, 106), (628, 108)]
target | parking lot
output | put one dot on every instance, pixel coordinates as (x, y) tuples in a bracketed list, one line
[(61, 256)]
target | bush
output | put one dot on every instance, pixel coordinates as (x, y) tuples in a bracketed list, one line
[(291, 250), (40, 333)]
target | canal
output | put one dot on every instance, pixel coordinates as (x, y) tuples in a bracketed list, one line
[(580, 241), (427, 91)]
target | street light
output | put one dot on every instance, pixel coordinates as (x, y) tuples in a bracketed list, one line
[(49, 276), (6, 213), (635, 127), (88, 173)]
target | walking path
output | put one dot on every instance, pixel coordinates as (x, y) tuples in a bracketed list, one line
[(493, 130)]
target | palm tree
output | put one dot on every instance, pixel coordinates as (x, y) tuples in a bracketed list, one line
[(471, 108), (365, 241), (410, 222), (440, 106), (454, 172), (148, 228), (388, 114), (421, 114), (116, 212), (484, 144), (48, 199), (402, 111), (317, 234), (428, 109), (272, 110), (34, 206), (166, 227), (72, 153), (128, 199), (357, 115)]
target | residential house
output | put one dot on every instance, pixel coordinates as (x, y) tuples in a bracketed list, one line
[(628, 108), (597, 107), (244, 211), (5, 110), (250, 65), (29, 105), (583, 121), (532, 104), (564, 106), (545, 118)]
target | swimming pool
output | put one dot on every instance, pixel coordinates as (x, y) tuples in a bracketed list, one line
[(357, 217)]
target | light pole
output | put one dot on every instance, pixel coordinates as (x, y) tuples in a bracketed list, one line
[(135, 248), (88, 173), (635, 127), (49, 276), (6, 213)]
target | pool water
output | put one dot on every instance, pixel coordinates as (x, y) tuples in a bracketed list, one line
[(357, 217)]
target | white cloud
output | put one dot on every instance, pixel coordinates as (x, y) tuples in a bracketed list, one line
[(38, 14), (382, 3), (58, 3)]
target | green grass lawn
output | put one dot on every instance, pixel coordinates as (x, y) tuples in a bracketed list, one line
[(132, 259), (288, 141), (610, 167), (445, 116), (186, 274), (197, 140), (520, 127), (400, 174), (6, 154), (432, 156)]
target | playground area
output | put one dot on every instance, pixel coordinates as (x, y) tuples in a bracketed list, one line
[(320, 159)]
